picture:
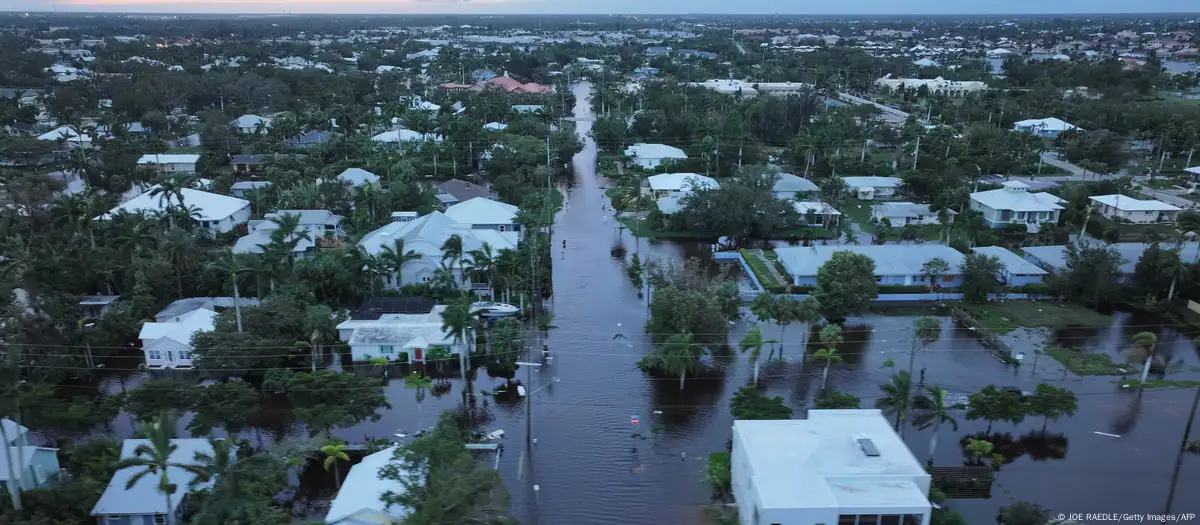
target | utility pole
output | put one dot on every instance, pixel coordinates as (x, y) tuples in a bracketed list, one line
[(1187, 432), (916, 152), (528, 394)]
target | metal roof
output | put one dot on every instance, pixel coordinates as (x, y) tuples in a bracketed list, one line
[(374, 307)]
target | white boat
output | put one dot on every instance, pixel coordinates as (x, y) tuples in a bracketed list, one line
[(489, 309)]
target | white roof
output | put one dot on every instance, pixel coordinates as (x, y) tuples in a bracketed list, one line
[(819, 208), (495, 126), (180, 329), (144, 497), (406, 135), (363, 488), (358, 177), (65, 132), (787, 182), (13, 430), (403, 334), (425, 236), (1130, 252), (18, 453), (1193, 170), (1015, 264), (251, 121), (1124, 203), (1049, 124), (655, 151), (1014, 199), (211, 206), (872, 182), (168, 159), (819, 462), (680, 182), (254, 242), (904, 209), (890, 259), (482, 211)]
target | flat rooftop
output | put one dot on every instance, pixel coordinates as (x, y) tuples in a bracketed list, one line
[(890, 259)]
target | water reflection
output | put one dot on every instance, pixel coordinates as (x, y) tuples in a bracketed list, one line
[(1039, 445)]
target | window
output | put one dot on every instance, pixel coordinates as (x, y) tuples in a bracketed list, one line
[(890, 519), (160, 519), (947, 278), (112, 519), (154, 355), (868, 519), (913, 519), (503, 228), (386, 349), (426, 279), (184, 354), (847, 519), (203, 224)]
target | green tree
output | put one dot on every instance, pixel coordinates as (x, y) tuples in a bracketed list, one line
[(763, 307), (326, 399), (507, 343), (679, 356), (831, 400), (749, 403), (933, 270), (753, 342), (333, 452), (831, 336), (979, 273), (895, 396), (1145, 346), (933, 411), (1090, 275), (154, 459), (1022, 513), (230, 405), (420, 383), (1052, 402), (994, 404), (148, 401), (845, 286)]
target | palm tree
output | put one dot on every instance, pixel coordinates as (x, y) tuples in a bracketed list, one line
[(420, 383), (230, 265), (318, 322), (334, 452), (831, 335), (180, 248), (394, 259), (452, 250), (219, 464), (895, 396), (481, 264), (764, 307), (933, 411), (753, 342), (170, 189), (678, 356), (154, 458), (459, 322), (1145, 346)]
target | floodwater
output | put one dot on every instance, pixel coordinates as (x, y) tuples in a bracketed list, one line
[(591, 465)]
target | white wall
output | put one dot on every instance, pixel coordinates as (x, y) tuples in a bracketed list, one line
[(166, 353), (230, 222)]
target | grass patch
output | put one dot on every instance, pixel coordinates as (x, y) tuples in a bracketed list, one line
[(1003, 317), (1085, 363), (858, 212), (640, 228), (759, 267), (1159, 383)]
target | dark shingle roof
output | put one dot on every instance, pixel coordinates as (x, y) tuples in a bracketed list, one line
[(465, 191), (374, 307)]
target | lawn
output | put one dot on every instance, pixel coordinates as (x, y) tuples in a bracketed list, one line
[(1087, 364), (858, 212), (759, 267), (1003, 317), (639, 228), (1159, 383)]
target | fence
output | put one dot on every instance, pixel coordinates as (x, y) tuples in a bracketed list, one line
[(990, 340), (735, 257)]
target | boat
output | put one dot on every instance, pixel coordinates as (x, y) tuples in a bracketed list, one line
[(489, 309)]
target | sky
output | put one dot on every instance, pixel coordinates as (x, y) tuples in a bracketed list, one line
[(843, 7)]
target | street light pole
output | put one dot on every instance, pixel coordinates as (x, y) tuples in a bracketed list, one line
[(528, 397), (1187, 431)]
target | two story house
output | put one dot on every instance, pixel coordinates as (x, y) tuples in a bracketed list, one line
[(320, 225), (401, 328), (169, 344), (1015, 204), (425, 235), (486, 214)]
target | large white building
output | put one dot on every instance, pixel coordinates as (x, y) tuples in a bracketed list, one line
[(937, 85), (871, 187), (836, 467), (407, 337), (1043, 127), (1014, 204), (650, 156), (173, 163), (1122, 208), (664, 184), (425, 237), (218, 213)]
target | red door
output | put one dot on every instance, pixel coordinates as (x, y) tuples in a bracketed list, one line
[(418, 355)]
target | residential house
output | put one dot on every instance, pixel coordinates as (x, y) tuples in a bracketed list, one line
[(904, 213), (647, 71), (129, 502), (693, 53), (33, 467), (401, 136), (375, 308), (650, 156), (482, 75), (664, 184), (403, 337), (308, 139), (495, 126), (169, 344), (1014, 204), (528, 108), (1015, 271), (895, 264), (217, 213), (425, 236), (870, 188), (318, 224), (182, 163), (240, 189), (1054, 258), (251, 123), (506, 84), (69, 136), (14, 434), (657, 51), (1044, 127), (935, 86), (358, 177), (788, 186), (455, 191), (1128, 209), (248, 163), (486, 214), (359, 500), (836, 467), (96, 306), (180, 307), (815, 212)]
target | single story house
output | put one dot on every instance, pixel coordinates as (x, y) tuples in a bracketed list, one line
[(375, 308), (96, 306), (455, 191), (399, 136), (1016, 270), (650, 156), (1054, 258), (1128, 209), (817, 211), (904, 213), (405, 337), (308, 139), (34, 467), (247, 163), (787, 186), (240, 189), (180, 307), (358, 177), (169, 344), (1043, 127), (895, 264), (170, 163), (359, 501), (425, 236), (1014, 204), (13, 432), (869, 188), (495, 126), (142, 503), (218, 213), (836, 467), (664, 184), (485, 214), (251, 123)]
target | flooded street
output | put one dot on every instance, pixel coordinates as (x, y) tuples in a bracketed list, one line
[(591, 465)]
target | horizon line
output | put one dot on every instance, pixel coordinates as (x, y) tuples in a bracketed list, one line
[(318, 13)]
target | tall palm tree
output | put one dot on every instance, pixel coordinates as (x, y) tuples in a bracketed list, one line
[(508, 270), (831, 335), (459, 322), (133, 234), (1145, 346), (154, 458), (334, 452), (932, 410), (180, 248), (230, 265), (421, 384), (788, 310), (452, 250), (895, 396), (753, 342), (678, 356), (394, 259), (481, 265), (764, 307), (318, 323), (170, 193)]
